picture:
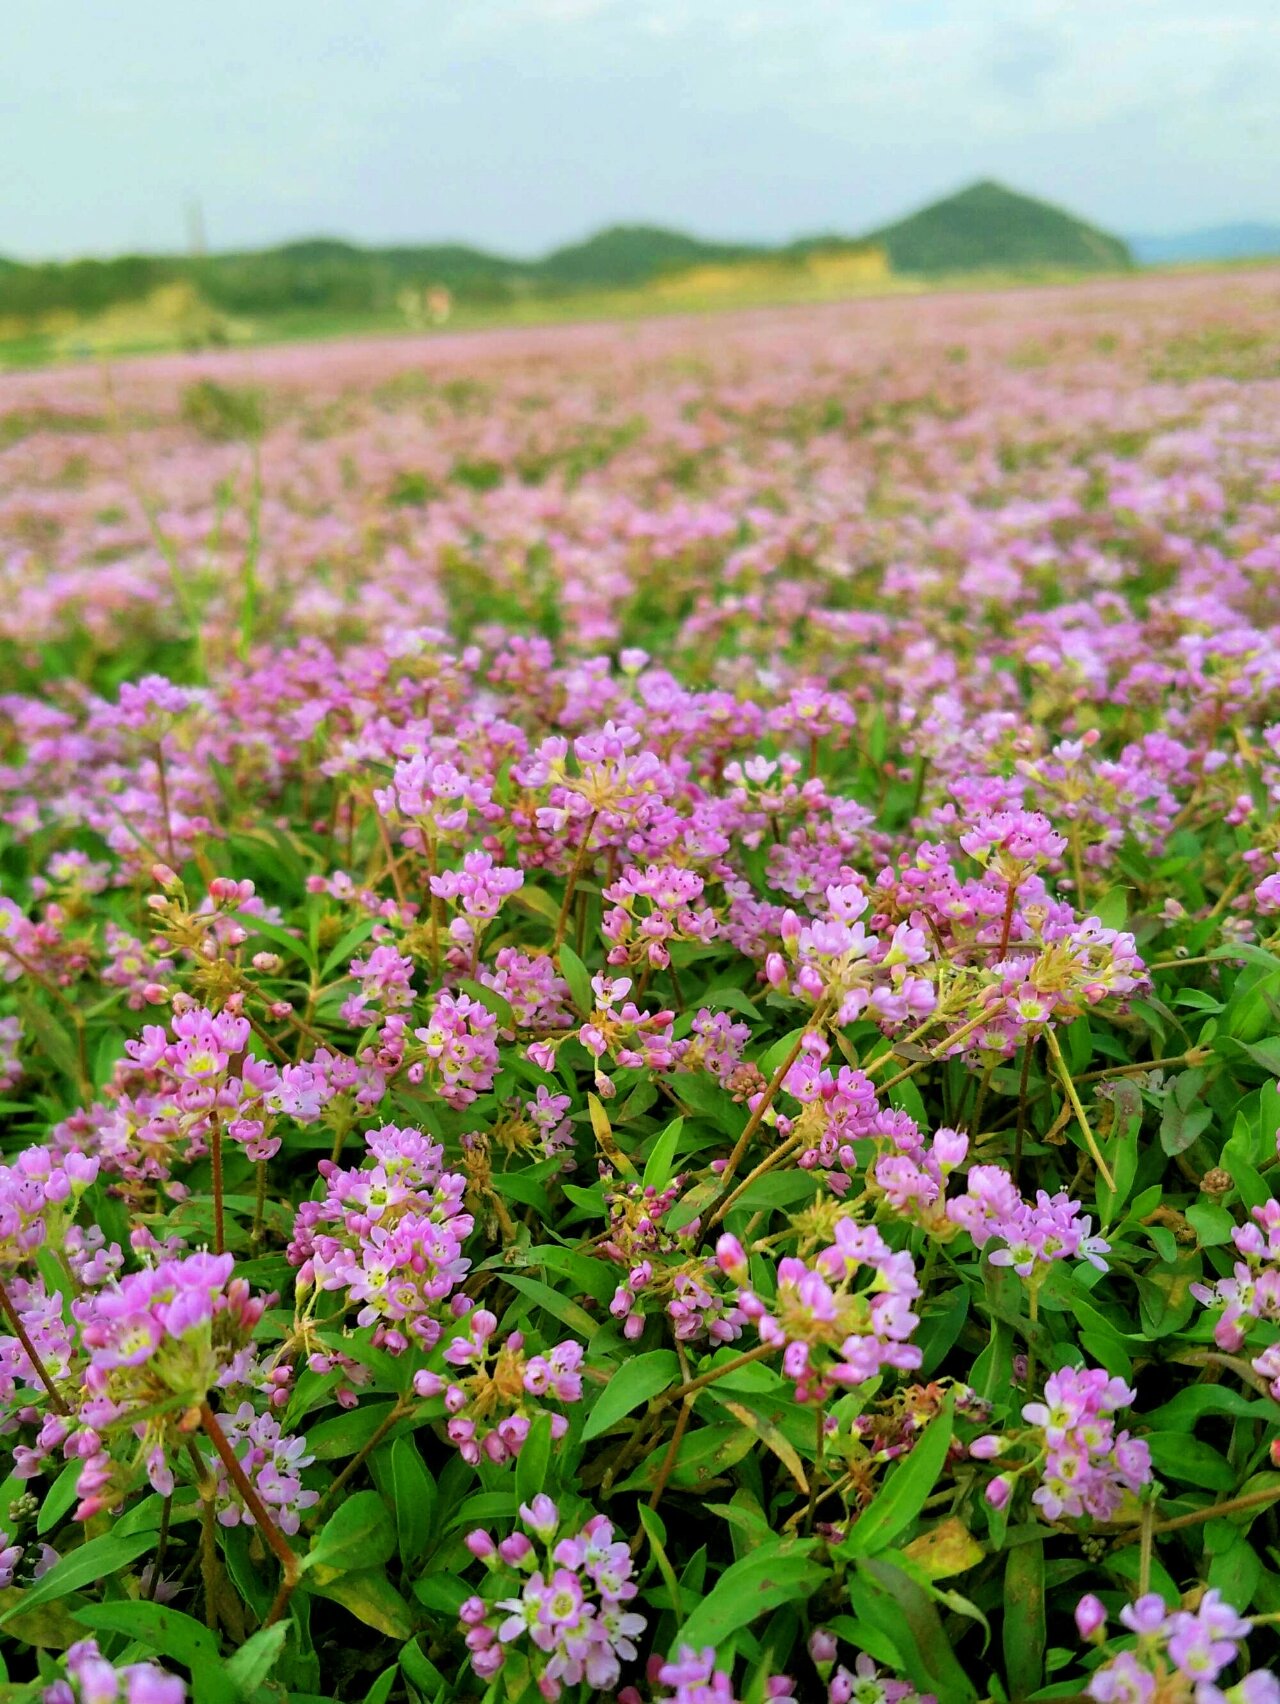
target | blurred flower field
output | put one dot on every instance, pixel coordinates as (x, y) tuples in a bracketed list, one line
[(640, 1011)]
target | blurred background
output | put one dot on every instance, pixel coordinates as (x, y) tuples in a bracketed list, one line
[(190, 176)]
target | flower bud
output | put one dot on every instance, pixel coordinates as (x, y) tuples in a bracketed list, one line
[(541, 1516), (731, 1258), (823, 1647), (1091, 1619), (516, 1550)]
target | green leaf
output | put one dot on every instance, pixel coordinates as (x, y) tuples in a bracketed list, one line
[(288, 939), (380, 1691), (905, 1492), (58, 1047), (1180, 1457), (50, 1627), (657, 1168), (369, 1595), (534, 1460), (656, 1533), (413, 1497), (59, 1498), (86, 1566), (568, 1312), (359, 1534), (782, 1572), (903, 1608), (342, 953), (634, 1382), (1024, 1619), (168, 1632), (256, 1658), (346, 1432), (578, 977), (1213, 1225), (421, 1670)]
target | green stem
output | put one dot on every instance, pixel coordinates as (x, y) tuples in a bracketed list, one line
[(1091, 1141), (215, 1161), (580, 858)]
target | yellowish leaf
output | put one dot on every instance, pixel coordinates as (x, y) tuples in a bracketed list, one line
[(948, 1548)]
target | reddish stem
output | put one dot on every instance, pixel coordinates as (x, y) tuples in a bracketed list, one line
[(284, 1552), (32, 1353)]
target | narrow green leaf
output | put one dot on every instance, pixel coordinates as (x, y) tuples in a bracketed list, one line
[(167, 1632), (256, 1658), (782, 1572), (1024, 1619), (578, 977), (413, 1496), (358, 1534), (657, 1168), (634, 1382), (905, 1492), (534, 1460), (86, 1566)]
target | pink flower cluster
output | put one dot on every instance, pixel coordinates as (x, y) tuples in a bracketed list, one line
[(388, 1236), (569, 1615), (91, 1679), (273, 1462), (472, 1401), (1178, 1654), (1085, 1465), (650, 909), (1252, 1292), (1034, 1233), (830, 1332)]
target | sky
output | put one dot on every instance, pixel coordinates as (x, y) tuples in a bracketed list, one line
[(521, 124)]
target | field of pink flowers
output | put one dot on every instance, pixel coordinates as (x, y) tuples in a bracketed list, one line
[(640, 1012)]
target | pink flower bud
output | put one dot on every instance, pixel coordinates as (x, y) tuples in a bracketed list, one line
[(731, 1258), (1091, 1619), (516, 1550), (823, 1646)]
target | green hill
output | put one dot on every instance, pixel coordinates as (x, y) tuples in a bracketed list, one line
[(985, 228), (988, 228), (628, 255)]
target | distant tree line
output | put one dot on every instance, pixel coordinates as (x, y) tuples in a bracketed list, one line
[(984, 226)]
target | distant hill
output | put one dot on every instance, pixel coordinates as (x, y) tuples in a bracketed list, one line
[(628, 255), (1218, 242), (985, 228), (989, 227)]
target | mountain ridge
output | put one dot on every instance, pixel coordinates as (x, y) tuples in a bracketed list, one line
[(984, 226)]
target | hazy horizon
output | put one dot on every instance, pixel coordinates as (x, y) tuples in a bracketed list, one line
[(520, 125)]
